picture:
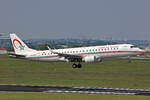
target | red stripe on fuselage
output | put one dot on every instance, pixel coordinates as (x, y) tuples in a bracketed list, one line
[(44, 57), (113, 52)]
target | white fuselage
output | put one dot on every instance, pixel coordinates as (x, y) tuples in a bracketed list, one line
[(119, 50), (80, 54)]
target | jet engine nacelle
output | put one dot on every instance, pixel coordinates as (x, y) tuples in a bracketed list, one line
[(91, 59)]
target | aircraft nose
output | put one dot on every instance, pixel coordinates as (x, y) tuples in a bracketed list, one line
[(142, 50)]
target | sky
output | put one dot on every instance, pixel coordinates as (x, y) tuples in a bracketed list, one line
[(85, 19)]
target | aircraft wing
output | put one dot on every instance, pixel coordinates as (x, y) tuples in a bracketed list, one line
[(67, 55), (70, 57)]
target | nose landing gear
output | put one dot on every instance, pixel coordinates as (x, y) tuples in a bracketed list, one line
[(129, 59)]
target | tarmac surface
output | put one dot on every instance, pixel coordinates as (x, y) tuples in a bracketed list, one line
[(80, 90)]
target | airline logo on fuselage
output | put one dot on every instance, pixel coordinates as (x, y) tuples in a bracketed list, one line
[(108, 47), (21, 47)]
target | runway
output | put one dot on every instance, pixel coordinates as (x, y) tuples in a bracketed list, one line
[(80, 90)]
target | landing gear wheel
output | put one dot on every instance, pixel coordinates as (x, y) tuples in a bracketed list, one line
[(79, 66), (74, 66)]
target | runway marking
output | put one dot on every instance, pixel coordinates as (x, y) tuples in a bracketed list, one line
[(80, 90)]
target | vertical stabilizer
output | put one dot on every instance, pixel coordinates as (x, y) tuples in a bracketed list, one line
[(19, 46)]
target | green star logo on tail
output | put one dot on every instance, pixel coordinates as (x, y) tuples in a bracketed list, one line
[(21, 47)]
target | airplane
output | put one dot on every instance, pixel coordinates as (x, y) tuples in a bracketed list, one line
[(89, 54)]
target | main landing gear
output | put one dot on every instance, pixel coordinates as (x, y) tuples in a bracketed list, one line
[(76, 66)]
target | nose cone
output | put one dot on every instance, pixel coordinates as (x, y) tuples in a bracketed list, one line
[(142, 50)]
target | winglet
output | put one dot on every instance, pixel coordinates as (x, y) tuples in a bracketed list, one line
[(49, 48)]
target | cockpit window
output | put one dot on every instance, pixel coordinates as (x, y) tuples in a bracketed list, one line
[(133, 46)]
